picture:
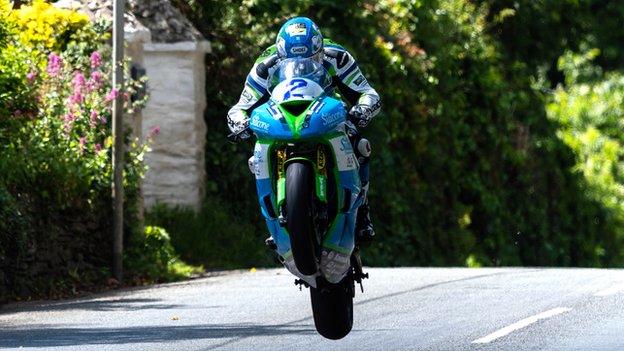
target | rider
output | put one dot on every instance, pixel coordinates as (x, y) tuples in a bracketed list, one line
[(300, 37)]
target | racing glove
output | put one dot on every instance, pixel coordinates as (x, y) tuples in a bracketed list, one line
[(361, 115), (240, 136)]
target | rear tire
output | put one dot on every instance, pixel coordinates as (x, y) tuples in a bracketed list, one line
[(332, 307), (299, 195)]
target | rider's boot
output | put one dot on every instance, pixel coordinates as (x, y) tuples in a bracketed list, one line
[(364, 232)]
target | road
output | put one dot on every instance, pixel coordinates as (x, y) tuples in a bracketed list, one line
[(401, 309)]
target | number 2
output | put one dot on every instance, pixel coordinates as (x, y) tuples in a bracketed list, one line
[(294, 85)]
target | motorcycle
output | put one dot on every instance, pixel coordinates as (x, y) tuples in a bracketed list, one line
[(308, 186)]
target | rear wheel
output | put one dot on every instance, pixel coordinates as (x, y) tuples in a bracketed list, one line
[(299, 195), (332, 306)]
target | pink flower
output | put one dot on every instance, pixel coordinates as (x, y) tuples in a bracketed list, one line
[(31, 76), (79, 82), (69, 122), (69, 117), (96, 76), (112, 95), (82, 141), (94, 118), (95, 82), (17, 113), (55, 63), (96, 60), (76, 98), (97, 147), (153, 132)]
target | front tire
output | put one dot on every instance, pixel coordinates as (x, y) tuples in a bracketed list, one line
[(299, 195), (332, 307)]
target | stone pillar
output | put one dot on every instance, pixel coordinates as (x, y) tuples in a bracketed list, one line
[(136, 37), (135, 40), (176, 73)]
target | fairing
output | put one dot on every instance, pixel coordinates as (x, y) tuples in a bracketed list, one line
[(321, 122)]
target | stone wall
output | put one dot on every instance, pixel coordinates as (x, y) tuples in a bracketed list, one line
[(176, 105)]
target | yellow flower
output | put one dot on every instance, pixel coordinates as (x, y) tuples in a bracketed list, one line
[(41, 24)]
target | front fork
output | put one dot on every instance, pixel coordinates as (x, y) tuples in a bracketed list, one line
[(320, 172), (337, 243)]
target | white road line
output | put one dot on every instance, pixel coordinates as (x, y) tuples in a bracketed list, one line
[(611, 291), (521, 324)]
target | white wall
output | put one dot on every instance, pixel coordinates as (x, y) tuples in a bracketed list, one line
[(176, 104)]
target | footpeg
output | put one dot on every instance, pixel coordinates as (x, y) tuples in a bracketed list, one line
[(357, 272), (301, 283), (358, 278)]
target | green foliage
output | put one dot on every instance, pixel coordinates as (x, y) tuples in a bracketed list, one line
[(152, 258), (14, 231), (63, 148), (536, 33), (16, 94), (55, 164), (217, 237), (471, 167), (589, 110), (605, 18)]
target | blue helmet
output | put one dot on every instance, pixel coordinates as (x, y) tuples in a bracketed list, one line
[(299, 37)]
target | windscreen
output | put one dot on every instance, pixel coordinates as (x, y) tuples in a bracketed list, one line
[(299, 68)]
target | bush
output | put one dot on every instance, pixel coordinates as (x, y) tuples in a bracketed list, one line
[(16, 93), (471, 168), (536, 33), (589, 112), (45, 28), (216, 237), (55, 160), (152, 258)]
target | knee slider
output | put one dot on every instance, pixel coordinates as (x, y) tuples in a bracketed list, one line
[(252, 164)]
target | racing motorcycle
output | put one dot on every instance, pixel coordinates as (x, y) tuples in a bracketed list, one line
[(309, 188)]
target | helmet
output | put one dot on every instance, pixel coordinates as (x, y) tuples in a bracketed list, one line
[(299, 37)]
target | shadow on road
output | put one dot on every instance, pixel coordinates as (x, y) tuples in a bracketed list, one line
[(109, 304), (45, 336)]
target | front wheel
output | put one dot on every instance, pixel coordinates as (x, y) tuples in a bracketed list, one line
[(299, 195), (332, 307)]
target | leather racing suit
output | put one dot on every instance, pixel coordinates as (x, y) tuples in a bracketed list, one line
[(346, 77)]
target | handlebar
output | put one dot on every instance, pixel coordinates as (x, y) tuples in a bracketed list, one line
[(243, 135)]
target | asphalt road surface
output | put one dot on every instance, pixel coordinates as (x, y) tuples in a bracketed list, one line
[(401, 309)]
